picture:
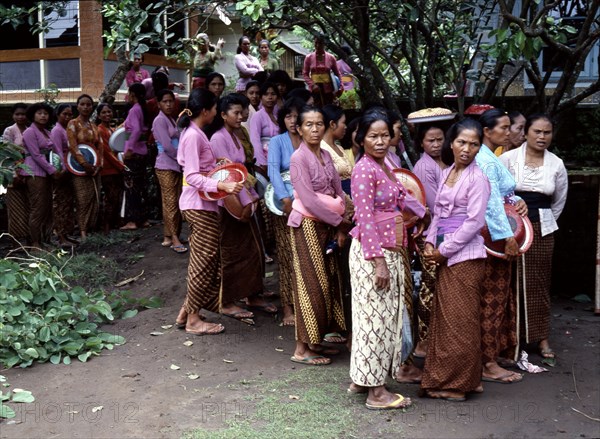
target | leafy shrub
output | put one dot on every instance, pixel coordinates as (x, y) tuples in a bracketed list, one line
[(14, 396)]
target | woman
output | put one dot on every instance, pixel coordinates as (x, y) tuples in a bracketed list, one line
[(62, 207), (253, 94), (38, 145), (281, 148), (264, 125), (336, 129), (136, 74), (111, 174), (215, 83), (498, 301), (168, 171), (348, 142), (86, 187), (204, 59), (196, 158), (242, 261), (377, 266), (246, 64), (345, 69), (455, 247), (319, 66), (516, 136), (283, 82), (428, 169), (16, 194), (317, 286), (266, 62), (543, 183), (136, 156)]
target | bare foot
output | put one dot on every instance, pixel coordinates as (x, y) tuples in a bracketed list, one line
[(409, 374), (492, 371), (236, 312), (204, 328), (421, 349), (357, 388), (129, 226), (260, 303), (380, 398), (448, 395), (289, 319)]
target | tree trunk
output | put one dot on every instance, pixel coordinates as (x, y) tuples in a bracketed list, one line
[(115, 81)]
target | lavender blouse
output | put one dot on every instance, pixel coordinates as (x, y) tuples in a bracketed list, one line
[(261, 126), (134, 124), (166, 134), (37, 146)]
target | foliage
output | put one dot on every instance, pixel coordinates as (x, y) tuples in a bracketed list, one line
[(11, 158), (49, 94), (43, 317), (14, 396)]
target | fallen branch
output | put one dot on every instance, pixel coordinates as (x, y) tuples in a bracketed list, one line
[(128, 281), (581, 413), (574, 380)]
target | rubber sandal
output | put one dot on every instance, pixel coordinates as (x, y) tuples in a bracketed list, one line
[(444, 396), (400, 403), (220, 327), (548, 357), (310, 360), (179, 248), (329, 338), (503, 379)]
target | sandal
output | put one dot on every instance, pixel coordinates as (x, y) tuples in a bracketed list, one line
[(310, 361), (548, 357), (179, 248), (400, 403), (335, 337)]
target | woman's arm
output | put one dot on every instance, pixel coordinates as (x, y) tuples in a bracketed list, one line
[(256, 126), (306, 70), (134, 124), (246, 71), (32, 141), (160, 129), (561, 187), (274, 167)]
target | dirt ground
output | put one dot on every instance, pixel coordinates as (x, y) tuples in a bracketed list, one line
[(143, 397)]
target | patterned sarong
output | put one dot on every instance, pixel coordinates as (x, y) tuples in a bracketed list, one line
[(426, 292), (453, 359), (498, 311), (63, 207), (17, 204), (376, 318), (317, 285), (87, 196), (112, 191), (39, 194), (135, 190), (284, 259), (204, 268), (170, 190)]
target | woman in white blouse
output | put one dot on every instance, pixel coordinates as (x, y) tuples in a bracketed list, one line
[(542, 182)]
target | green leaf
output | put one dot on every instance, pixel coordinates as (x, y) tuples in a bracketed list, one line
[(55, 359), (129, 313), (31, 352), (44, 334), (24, 396), (6, 412), (83, 357), (67, 360)]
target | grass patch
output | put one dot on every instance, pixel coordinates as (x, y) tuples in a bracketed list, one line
[(93, 272), (323, 409), (97, 241)]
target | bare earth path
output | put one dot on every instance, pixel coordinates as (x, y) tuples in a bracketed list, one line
[(242, 371)]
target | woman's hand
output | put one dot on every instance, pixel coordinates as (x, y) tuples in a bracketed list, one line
[(128, 154), (220, 43), (287, 206), (521, 208), (89, 169), (435, 257), (382, 274), (422, 224), (428, 250), (341, 237), (511, 249), (230, 187)]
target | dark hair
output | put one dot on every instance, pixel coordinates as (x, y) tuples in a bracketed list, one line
[(351, 127), (535, 117), (161, 94), (101, 107), (308, 109), (320, 38), (454, 131), (160, 81), (18, 106), (300, 93), (288, 106), (346, 50), (199, 99), (261, 77), (139, 91), (162, 69), (211, 76), (489, 119), (62, 107), (393, 117), (243, 99), (34, 108), (423, 128), (252, 83), (512, 115), (262, 42), (281, 77), (365, 122), (82, 96), (333, 113), (239, 47), (265, 86), (224, 105)]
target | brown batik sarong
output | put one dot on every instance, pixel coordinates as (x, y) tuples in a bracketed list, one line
[(204, 267), (284, 259), (136, 194), (426, 292), (498, 311), (63, 207), (170, 189), (317, 285), (376, 318), (39, 193), (17, 205), (408, 301), (112, 191), (536, 289), (453, 359), (87, 196), (242, 258)]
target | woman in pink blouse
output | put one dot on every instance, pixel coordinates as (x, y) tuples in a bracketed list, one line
[(317, 228), (454, 244), (377, 265), (196, 158), (246, 64), (264, 125), (38, 145), (319, 66)]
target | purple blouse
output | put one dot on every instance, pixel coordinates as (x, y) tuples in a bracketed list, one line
[(134, 124), (261, 126), (166, 135), (37, 146), (246, 65), (309, 176), (197, 159), (58, 135), (430, 174), (374, 194), (463, 206)]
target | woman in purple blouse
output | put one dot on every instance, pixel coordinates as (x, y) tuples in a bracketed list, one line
[(168, 171), (38, 145), (263, 124), (377, 266), (135, 155), (454, 244), (316, 220)]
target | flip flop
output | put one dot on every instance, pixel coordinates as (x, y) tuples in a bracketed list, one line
[(548, 357), (310, 360), (440, 395), (503, 379), (179, 248), (220, 327), (269, 308), (400, 403), (329, 338)]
